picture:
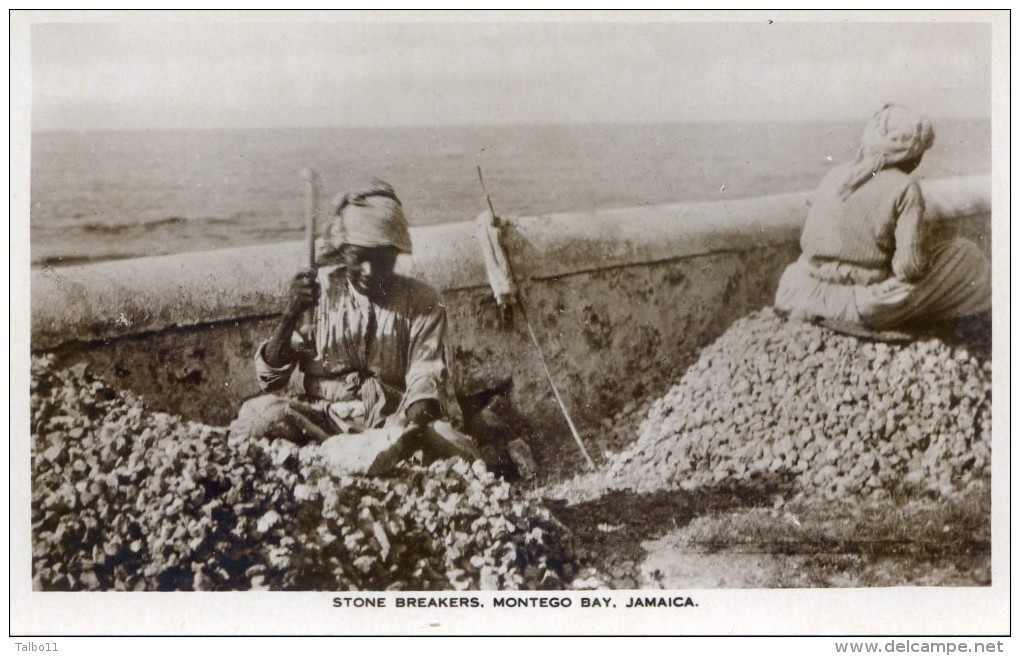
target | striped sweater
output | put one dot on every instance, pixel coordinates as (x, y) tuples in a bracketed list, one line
[(877, 232)]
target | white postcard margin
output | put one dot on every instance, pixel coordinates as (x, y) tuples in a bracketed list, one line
[(897, 611)]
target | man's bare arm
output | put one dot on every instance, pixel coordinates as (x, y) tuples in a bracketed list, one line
[(301, 297)]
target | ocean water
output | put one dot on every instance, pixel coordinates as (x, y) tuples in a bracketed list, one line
[(105, 195)]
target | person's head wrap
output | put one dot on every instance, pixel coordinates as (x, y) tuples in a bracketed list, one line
[(368, 215), (895, 134)]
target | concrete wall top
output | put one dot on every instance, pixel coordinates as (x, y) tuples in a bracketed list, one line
[(107, 300)]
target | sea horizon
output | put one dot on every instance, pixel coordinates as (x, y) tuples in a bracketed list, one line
[(133, 193)]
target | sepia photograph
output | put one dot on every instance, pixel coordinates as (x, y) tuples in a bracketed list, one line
[(510, 323)]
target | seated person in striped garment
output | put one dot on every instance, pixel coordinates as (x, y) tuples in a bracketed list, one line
[(372, 352), (869, 260)]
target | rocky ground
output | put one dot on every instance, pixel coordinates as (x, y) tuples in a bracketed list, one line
[(787, 456), (128, 499), (790, 455)]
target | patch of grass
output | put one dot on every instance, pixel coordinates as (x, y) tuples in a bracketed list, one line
[(751, 538), (930, 528)]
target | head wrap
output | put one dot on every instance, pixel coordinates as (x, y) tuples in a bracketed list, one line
[(368, 215), (895, 134)]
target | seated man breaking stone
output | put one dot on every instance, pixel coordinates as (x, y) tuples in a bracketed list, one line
[(372, 351)]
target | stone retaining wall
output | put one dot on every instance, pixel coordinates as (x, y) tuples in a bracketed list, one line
[(622, 300)]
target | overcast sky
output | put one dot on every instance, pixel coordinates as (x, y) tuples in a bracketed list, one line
[(167, 75)]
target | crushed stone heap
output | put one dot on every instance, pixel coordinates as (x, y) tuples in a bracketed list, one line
[(128, 499), (837, 416)]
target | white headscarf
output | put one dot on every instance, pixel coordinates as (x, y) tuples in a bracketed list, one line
[(368, 215), (895, 134)]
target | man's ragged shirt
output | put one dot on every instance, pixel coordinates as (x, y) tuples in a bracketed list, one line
[(878, 232), (406, 351)]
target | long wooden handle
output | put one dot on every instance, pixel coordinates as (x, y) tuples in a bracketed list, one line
[(311, 179), (556, 392), (496, 246)]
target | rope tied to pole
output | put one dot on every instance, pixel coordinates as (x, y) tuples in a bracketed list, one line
[(504, 288)]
